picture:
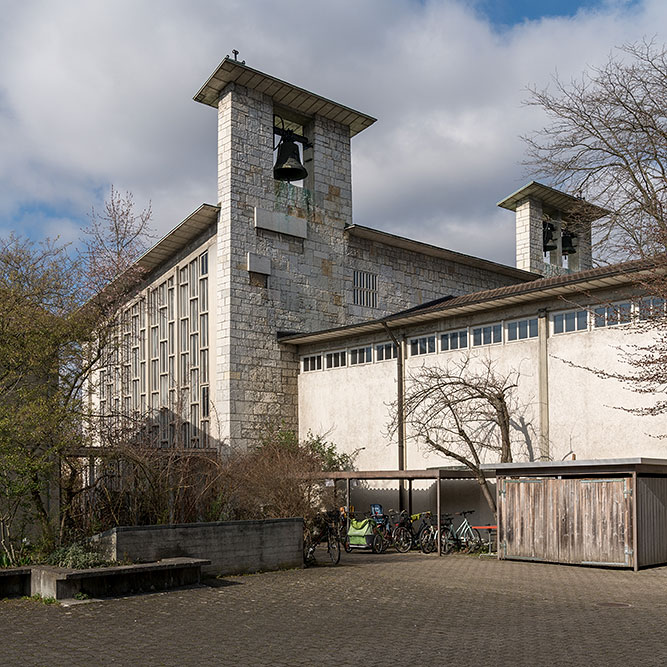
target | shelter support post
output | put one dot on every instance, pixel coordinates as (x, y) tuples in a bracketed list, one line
[(347, 494), (543, 382), (633, 500), (410, 497), (437, 491), (400, 407), (499, 514)]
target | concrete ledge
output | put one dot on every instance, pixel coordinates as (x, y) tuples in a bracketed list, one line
[(14, 582), (63, 583), (259, 264), (281, 223)]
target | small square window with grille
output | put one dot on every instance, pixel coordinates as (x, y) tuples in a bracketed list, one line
[(521, 329), (365, 291), (572, 320), (487, 335), (335, 359), (423, 345), (454, 340), (609, 316)]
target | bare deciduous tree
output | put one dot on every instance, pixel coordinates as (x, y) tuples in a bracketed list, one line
[(54, 324), (607, 142), (463, 411)]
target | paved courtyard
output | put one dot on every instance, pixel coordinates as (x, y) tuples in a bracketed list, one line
[(370, 610)]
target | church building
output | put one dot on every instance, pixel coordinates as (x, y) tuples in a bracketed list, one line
[(272, 306)]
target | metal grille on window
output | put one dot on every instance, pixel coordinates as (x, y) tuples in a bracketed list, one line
[(157, 364), (200, 312), (365, 291)]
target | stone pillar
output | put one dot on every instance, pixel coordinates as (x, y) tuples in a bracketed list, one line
[(529, 254)]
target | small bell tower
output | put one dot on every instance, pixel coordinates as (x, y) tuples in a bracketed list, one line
[(553, 230)]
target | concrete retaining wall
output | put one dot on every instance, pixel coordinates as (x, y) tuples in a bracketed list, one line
[(233, 547)]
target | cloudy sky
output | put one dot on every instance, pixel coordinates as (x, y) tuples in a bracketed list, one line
[(99, 92)]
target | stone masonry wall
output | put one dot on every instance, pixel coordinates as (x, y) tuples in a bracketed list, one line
[(529, 255), (407, 278), (256, 378), (304, 284)]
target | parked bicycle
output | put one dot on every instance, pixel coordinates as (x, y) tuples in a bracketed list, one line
[(469, 538), (454, 538), (407, 530), (322, 534)]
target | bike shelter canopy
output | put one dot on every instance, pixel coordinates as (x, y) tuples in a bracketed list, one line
[(437, 474)]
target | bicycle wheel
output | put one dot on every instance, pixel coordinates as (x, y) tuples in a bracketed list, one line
[(423, 535), (402, 540), (333, 548), (449, 543), (377, 545), (308, 549), (473, 541), (428, 543)]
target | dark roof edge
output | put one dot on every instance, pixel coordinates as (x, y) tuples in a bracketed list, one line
[(436, 251), (209, 209), (552, 197), (429, 311)]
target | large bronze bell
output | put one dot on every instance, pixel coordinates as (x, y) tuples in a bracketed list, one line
[(569, 241), (548, 240), (288, 165)]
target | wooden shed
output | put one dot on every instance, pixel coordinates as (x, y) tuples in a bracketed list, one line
[(609, 512)]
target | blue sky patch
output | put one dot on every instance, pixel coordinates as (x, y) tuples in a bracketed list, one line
[(511, 12)]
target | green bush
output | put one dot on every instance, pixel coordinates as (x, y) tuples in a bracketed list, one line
[(78, 557)]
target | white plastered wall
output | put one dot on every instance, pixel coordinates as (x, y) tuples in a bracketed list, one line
[(586, 411), (352, 405)]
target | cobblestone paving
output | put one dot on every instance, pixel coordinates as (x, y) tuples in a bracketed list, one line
[(370, 610)]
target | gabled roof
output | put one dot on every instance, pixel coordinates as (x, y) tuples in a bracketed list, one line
[(604, 276), (188, 230), (282, 93), (554, 199)]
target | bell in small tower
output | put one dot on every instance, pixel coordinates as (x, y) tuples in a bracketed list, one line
[(569, 242), (288, 165), (548, 236)]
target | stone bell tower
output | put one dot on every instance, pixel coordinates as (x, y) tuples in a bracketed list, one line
[(280, 246), (553, 230)]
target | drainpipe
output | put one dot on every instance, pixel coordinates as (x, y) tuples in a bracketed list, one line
[(543, 380), (400, 406)]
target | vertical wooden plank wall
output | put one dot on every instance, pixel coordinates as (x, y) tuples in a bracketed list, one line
[(568, 520), (651, 520)]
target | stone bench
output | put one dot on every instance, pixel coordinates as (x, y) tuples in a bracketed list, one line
[(14, 582), (64, 583)]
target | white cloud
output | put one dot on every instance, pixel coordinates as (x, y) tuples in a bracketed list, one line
[(95, 92)]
